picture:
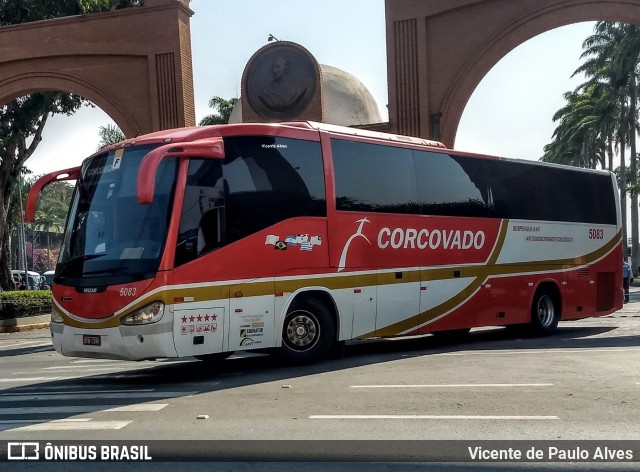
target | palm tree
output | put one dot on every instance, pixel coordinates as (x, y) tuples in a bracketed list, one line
[(47, 220), (579, 138), (613, 57), (109, 135), (223, 108)]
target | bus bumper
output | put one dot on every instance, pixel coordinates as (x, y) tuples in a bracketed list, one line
[(124, 343)]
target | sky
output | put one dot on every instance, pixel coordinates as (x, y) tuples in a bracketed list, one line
[(509, 113)]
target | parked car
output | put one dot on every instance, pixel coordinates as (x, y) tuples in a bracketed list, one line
[(47, 278), (34, 281)]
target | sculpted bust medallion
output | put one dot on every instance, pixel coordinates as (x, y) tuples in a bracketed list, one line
[(281, 82)]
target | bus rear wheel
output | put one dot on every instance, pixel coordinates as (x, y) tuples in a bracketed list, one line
[(308, 332), (545, 314)]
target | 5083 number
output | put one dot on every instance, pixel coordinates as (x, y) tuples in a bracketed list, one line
[(595, 233), (128, 292)]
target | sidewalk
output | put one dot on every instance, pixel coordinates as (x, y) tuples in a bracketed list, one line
[(13, 325)]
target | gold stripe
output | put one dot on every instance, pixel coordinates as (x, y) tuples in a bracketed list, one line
[(481, 273), (492, 270)]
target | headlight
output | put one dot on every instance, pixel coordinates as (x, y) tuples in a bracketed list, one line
[(149, 314), (56, 315)]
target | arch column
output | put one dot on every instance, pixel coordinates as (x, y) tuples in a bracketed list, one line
[(439, 51), (133, 63)]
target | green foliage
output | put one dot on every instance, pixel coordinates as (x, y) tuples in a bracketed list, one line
[(88, 6), (24, 303), (223, 108), (13, 12), (109, 135)]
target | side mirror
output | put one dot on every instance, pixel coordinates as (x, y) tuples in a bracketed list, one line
[(58, 176), (210, 148)]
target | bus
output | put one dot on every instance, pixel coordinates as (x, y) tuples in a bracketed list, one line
[(296, 237)]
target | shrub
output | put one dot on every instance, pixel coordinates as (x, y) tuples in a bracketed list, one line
[(24, 303)]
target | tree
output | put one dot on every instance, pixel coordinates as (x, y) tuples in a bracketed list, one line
[(223, 110), (603, 113), (22, 120), (109, 135), (613, 53), (51, 211), (21, 124), (578, 139)]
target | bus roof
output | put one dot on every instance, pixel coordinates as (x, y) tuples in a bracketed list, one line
[(200, 132)]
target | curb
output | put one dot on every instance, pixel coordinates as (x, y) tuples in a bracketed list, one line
[(14, 325)]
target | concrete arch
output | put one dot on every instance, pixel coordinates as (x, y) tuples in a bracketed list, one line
[(135, 63), (439, 51), (29, 83)]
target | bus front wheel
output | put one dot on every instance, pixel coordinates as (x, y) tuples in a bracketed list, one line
[(308, 332), (545, 314)]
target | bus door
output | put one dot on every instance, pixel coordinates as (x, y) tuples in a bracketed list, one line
[(398, 300), (252, 316), (364, 308)]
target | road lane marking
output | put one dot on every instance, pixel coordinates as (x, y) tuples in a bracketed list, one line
[(31, 379), (525, 350), (6, 398), (64, 409), (430, 417), (83, 369), (140, 407), (71, 425), (57, 392), (24, 344), (454, 385)]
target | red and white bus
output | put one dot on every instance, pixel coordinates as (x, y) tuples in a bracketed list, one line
[(210, 240)]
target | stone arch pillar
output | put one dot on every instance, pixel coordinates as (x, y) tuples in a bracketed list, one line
[(133, 63), (439, 51)]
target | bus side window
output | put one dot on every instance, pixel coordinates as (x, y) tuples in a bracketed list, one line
[(202, 219), (209, 232)]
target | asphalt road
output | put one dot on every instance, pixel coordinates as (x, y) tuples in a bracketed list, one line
[(492, 390)]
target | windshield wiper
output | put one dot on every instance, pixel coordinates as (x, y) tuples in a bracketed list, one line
[(116, 270), (74, 260)]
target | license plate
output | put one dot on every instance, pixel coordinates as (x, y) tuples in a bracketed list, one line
[(89, 340)]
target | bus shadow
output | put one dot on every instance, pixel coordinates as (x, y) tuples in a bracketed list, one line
[(247, 369)]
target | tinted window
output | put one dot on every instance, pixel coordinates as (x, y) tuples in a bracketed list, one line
[(450, 185), (380, 178), (270, 179), (203, 211), (261, 181), (536, 192), (371, 177)]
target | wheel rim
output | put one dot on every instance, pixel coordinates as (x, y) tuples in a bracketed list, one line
[(546, 311), (302, 331)]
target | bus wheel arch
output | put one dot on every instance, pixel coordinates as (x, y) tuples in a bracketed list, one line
[(546, 309), (309, 327)]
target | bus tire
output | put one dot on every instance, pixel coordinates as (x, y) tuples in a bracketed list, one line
[(308, 332), (545, 313)]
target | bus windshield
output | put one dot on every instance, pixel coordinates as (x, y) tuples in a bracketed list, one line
[(110, 238)]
